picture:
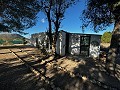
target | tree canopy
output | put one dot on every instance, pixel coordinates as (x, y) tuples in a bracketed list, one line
[(54, 11), (101, 13), (58, 11), (17, 15)]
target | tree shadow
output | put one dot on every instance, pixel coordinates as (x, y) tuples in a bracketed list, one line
[(67, 82), (95, 71), (96, 78), (64, 80), (16, 76)]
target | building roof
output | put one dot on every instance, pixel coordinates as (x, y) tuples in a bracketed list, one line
[(80, 33)]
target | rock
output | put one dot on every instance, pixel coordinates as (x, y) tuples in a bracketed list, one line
[(42, 89), (58, 88), (84, 78), (42, 78)]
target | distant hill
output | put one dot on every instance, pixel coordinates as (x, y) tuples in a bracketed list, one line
[(8, 38)]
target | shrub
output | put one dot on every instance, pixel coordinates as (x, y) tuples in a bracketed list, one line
[(106, 37), (1, 41)]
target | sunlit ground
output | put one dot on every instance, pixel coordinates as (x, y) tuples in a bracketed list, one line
[(63, 73)]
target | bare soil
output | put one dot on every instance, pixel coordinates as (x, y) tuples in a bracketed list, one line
[(105, 45), (66, 73)]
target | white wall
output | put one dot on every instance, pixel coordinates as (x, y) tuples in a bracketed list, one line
[(95, 46), (74, 44), (61, 43)]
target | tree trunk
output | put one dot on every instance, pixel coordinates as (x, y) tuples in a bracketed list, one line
[(55, 40), (114, 51), (57, 25), (50, 29), (50, 34)]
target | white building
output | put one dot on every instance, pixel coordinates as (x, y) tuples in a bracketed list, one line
[(78, 44), (41, 39)]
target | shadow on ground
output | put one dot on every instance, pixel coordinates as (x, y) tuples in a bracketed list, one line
[(78, 74)]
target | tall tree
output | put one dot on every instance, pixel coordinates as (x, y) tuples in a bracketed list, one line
[(54, 11), (58, 11), (17, 15), (100, 14), (46, 6)]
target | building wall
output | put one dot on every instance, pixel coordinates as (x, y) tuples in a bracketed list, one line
[(74, 44), (95, 45), (42, 39), (61, 43)]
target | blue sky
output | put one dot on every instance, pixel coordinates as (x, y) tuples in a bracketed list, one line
[(70, 23)]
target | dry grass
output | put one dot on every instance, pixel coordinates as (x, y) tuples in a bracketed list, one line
[(105, 45)]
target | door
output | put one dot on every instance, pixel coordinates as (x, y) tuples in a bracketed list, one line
[(84, 45)]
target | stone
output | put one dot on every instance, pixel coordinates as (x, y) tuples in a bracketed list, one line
[(58, 88), (84, 78), (42, 89)]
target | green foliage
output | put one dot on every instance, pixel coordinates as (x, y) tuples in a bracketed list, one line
[(54, 11), (106, 37), (101, 13), (1, 41), (17, 15), (11, 41), (16, 41)]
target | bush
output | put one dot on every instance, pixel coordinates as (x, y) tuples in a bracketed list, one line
[(106, 37), (1, 41), (16, 42)]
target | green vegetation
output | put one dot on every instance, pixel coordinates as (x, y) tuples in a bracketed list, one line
[(99, 14), (1, 41), (16, 41), (10, 39), (106, 37), (21, 14), (11, 42)]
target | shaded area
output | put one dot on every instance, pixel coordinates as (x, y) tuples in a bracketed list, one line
[(61, 73), (15, 76), (16, 46)]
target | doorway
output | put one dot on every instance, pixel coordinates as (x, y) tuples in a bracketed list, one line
[(84, 45)]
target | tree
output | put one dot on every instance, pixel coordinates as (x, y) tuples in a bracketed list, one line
[(54, 11), (46, 6), (24, 40), (17, 15), (100, 14), (58, 11), (106, 37)]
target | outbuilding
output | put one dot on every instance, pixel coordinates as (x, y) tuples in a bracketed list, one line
[(41, 39), (78, 44)]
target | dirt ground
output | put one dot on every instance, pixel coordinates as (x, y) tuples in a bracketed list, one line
[(65, 73), (106, 45)]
